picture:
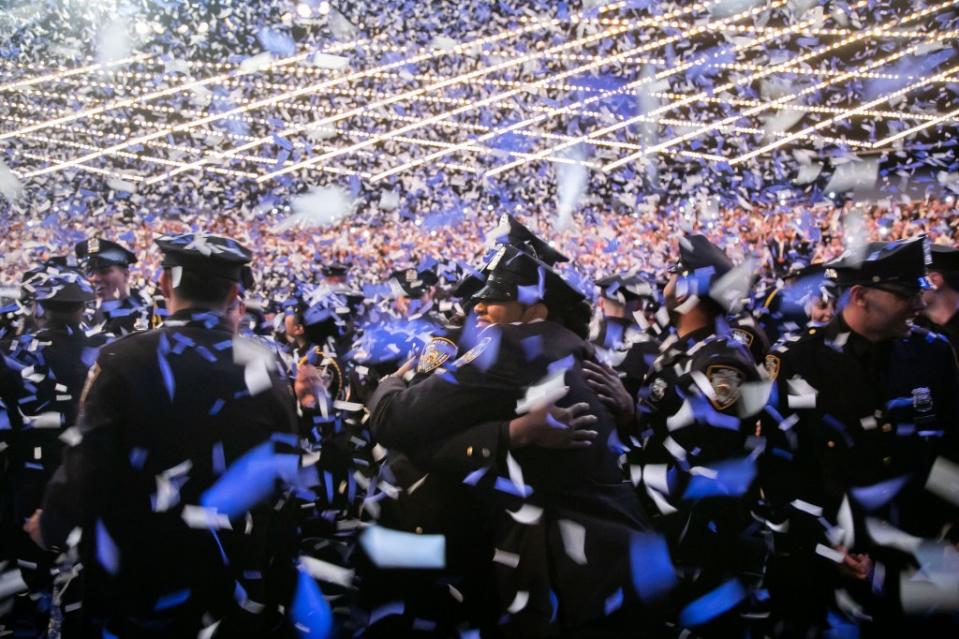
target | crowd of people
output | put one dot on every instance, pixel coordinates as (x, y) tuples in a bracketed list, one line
[(728, 425), (775, 237), (437, 407)]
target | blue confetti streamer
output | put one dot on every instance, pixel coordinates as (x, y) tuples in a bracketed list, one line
[(276, 41), (652, 569), (732, 479), (172, 600), (310, 611), (878, 495), (713, 604), (107, 553), (249, 480)]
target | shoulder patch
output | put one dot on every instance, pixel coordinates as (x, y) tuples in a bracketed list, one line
[(435, 354), (725, 381), (474, 352), (743, 337), (772, 363)]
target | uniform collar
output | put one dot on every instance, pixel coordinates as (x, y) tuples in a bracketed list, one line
[(197, 317), (691, 339), (856, 343)]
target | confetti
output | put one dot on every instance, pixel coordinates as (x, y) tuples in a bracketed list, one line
[(394, 549)]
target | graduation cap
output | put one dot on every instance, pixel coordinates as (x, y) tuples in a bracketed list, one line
[(96, 253), (210, 255), (944, 258), (811, 281), (701, 264), (899, 267), (624, 288), (516, 276), (413, 282)]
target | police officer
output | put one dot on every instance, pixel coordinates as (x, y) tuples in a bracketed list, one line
[(696, 416), (413, 290), (630, 348), (942, 299), (168, 536), (862, 409), (107, 264), (462, 422), (53, 363)]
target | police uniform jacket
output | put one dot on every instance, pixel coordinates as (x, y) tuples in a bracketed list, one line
[(164, 414), (697, 412), (854, 428)]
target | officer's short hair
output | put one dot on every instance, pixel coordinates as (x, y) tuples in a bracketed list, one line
[(203, 289)]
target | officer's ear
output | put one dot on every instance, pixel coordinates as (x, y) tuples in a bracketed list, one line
[(857, 295), (936, 279), (166, 284), (537, 311), (232, 294)]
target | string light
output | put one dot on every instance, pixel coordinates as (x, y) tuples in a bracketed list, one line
[(323, 85), (774, 69), (287, 95), (867, 105), (629, 86)]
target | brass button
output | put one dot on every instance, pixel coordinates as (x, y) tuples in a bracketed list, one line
[(886, 428), (485, 452), (419, 530), (831, 444), (887, 460), (469, 451), (812, 331)]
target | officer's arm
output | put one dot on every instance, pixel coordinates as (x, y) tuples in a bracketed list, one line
[(409, 419), (89, 466)]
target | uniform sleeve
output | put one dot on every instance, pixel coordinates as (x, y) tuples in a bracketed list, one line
[(411, 419), (465, 452), (90, 465)]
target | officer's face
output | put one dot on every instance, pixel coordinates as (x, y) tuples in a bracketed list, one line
[(891, 314), (293, 328), (110, 282), (821, 311), (493, 312)]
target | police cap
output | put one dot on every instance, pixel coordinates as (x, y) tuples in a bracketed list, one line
[(96, 253), (210, 255), (899, 266)]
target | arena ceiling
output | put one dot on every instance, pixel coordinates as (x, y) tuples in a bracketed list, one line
[(781, 87)]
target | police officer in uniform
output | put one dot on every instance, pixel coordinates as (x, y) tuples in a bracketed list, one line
[(167, 546), (107, 264), (863, 409), (696, 417), (629, 347), (942, 299), (55, 360)]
